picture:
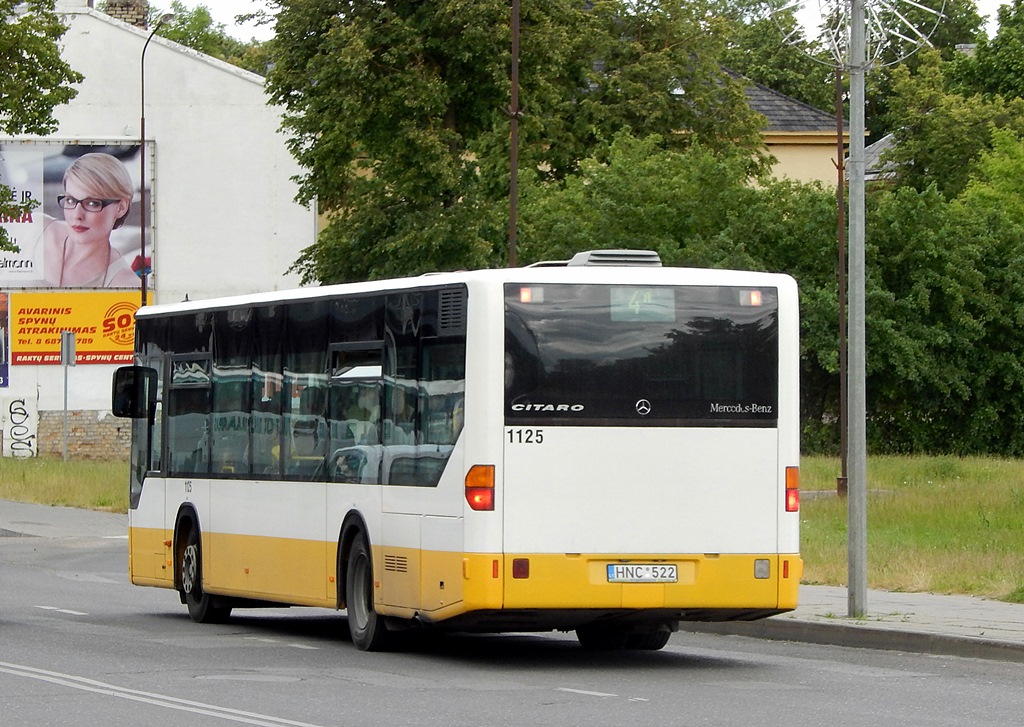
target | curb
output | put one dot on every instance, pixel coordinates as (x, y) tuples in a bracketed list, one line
[(864, 637)]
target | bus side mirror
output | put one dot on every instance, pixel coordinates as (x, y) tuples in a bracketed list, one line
[(134, 392)]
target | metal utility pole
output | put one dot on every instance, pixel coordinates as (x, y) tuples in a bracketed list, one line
[(857, 541)]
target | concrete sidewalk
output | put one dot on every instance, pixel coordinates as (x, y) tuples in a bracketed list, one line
[(915, 622)]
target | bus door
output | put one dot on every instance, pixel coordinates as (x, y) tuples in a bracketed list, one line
[(140, 388)]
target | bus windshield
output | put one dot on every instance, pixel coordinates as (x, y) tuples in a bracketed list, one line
[(607, 355)]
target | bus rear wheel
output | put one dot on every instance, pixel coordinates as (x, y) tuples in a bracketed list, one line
[(617, 638), (648, 640), (602, 638), (201, 605), (368, 630)]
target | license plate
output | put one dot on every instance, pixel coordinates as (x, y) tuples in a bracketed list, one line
[(642, 573)]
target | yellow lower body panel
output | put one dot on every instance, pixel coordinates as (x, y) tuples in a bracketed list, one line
[(150, 562), (705, 581), (288, 570), (437, 586)]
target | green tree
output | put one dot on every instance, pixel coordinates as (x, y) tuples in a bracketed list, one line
[(34, 81), (991, 221), (196, 29), (397, 113), (657, 69), (997, 65), (940, 135), (998, 179), (639, 195), (924, 328), (383, 104), (959, 23)]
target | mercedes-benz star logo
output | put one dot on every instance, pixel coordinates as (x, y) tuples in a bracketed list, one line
[(643, 407)]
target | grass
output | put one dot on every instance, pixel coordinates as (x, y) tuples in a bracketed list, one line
[(52, 481), (935, 524)]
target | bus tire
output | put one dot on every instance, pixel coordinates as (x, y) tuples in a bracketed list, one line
[(201, 605), (648, 640), (602, 637), (364, 624)]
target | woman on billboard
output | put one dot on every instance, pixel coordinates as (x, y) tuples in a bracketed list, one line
[(77, 251)]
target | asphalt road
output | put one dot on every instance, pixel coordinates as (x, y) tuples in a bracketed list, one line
[(80, 646)]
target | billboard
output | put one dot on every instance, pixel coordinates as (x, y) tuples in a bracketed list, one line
[(103, 324), (85, 231)]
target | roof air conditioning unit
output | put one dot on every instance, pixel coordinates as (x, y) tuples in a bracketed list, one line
[(631, 258)]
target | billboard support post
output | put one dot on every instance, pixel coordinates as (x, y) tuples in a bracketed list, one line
[(67, 358)]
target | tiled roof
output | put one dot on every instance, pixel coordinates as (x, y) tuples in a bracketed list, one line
[(786, 114), (874, 166)]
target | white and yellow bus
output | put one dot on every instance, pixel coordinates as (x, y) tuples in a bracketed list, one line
[(605, 445)]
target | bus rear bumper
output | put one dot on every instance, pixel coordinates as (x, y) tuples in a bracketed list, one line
[(547, 591), (505, 620)]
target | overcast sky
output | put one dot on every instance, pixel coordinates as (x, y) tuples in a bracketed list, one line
[(224, 11)]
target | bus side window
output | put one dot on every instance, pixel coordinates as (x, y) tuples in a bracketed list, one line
[(309, 437), (188, 415), (305, 379)]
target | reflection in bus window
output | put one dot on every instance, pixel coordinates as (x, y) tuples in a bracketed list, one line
[(400, 424), (267, 391), (425, 363), (354, 411), (305, 389), (188, 415), (305, 424), (231, 390)]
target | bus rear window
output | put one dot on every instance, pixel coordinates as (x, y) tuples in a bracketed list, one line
[(605, 355)]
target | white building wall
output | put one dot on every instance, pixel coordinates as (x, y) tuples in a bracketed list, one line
[(223, 213)]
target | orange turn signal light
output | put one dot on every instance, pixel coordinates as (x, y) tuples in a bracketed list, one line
[(480, 487), (792, 489)]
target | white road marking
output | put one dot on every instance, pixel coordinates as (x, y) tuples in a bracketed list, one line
[(63, 610), (159, 700), (278, 641), (585, 692)]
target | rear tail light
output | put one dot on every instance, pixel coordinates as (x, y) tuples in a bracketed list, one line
[(480, 487), (792, 489), (520, 567)]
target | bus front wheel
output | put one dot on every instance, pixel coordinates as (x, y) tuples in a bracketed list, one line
[(367, 628), (201, 606)]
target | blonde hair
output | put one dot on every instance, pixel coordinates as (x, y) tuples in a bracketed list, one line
[(105, 177)]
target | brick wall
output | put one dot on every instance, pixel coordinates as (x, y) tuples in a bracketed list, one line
[(133, 12), (91, 435)]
